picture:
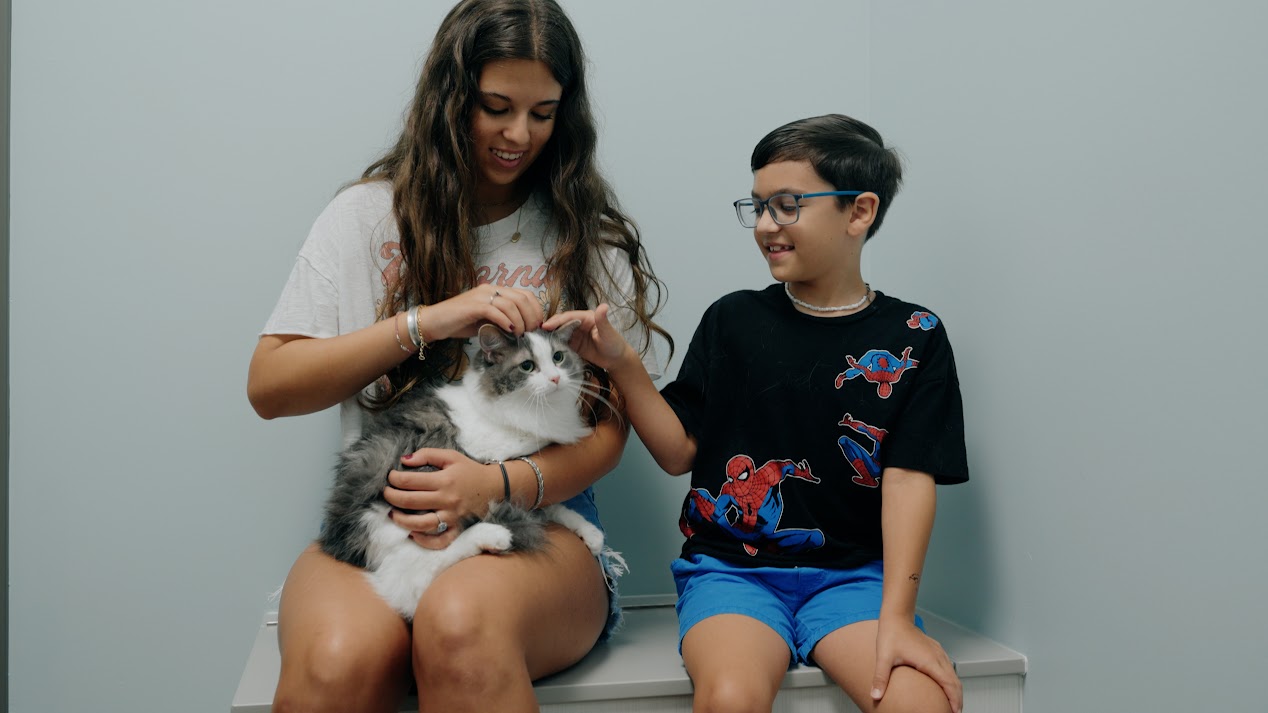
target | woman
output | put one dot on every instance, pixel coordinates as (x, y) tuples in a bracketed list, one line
[(488, 209)]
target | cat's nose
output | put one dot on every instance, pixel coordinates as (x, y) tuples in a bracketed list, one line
[(554, 379)]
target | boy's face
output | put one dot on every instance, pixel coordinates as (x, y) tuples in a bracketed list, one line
[(822, 248)]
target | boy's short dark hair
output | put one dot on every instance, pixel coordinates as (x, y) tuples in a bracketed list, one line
[(844, 152)]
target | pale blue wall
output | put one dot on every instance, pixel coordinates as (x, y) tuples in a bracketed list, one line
[(1080, 210), (1085, 209)]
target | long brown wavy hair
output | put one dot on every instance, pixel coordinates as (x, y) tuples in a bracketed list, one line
[(433, 175)]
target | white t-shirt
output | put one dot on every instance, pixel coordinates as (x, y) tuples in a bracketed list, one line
[(353, 252)]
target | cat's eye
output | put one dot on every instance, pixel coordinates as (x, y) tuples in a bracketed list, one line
[(558, 357), (527, 365)]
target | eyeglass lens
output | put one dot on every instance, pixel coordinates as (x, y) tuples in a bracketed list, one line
[(783, 209)]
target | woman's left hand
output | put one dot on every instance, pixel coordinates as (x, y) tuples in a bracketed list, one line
[(421, 500), (901, 643)]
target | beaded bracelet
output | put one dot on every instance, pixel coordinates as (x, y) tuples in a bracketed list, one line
[(541, 484)]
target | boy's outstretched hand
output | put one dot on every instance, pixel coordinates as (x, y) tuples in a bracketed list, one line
[(596, 340), (599, 343)]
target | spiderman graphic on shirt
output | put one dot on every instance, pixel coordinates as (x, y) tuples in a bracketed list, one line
[(749, 506), (866, 463), (879, 367)]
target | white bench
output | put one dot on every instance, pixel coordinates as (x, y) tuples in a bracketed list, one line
[(640, 670)]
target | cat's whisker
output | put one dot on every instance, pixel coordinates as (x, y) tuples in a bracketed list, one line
[(596, 393)]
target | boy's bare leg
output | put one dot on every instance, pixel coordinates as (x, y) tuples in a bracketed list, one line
[(848, 656), (736, 664)]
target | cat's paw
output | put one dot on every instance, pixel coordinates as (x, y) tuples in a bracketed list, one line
[(589, 534), (489, 537)]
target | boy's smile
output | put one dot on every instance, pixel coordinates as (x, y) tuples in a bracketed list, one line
[(818, 255)]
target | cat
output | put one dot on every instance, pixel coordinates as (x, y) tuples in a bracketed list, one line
[(517, 396)]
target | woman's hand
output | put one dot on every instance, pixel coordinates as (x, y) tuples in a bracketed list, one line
[(901, 643), (511, 310), (596, 340), (459, 487)]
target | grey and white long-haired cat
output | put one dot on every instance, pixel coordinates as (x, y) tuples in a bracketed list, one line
[(517, 396)]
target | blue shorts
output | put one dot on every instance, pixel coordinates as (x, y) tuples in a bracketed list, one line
[(802, 604)]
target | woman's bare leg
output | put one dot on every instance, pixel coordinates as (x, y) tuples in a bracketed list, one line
[(490, 625), (343, 648)]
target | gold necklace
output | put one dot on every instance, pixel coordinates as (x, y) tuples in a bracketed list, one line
[(519, 215)]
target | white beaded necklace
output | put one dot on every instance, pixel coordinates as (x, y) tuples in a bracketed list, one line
[(867, 292)]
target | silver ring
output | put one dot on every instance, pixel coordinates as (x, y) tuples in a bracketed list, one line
[(494, 296), (440, 529)]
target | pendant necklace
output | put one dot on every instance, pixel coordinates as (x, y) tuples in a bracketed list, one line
[(519, 215), (515, 237), (867, 292)]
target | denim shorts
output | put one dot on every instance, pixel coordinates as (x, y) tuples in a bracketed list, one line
[(610, 561), (802, 604)]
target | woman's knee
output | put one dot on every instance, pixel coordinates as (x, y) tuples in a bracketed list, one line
[(335, 673), (460, 639)]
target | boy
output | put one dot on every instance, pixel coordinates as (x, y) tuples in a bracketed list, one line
[(780, 410)]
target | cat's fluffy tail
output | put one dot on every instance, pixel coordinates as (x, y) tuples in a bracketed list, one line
[(527, 533)]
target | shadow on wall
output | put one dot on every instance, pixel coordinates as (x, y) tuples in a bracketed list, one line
[(639, 504), (960, 573)]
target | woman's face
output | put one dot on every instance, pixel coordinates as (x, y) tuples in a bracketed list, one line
[(513, 119)]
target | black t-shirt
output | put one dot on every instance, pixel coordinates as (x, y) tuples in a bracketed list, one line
[(795, 417)]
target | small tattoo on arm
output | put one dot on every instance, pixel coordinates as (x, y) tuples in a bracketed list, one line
[(914, 577)]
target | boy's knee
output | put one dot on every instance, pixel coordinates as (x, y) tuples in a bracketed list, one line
[(911, 705), (911, 691), (733, 695)]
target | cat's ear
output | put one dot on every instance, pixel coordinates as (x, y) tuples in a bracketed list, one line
[(493, 342), (564, 333)]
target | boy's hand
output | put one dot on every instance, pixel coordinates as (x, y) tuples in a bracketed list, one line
[(903, 644), (596, 340)]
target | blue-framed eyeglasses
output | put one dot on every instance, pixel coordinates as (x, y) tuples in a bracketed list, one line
[(785, 208)]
